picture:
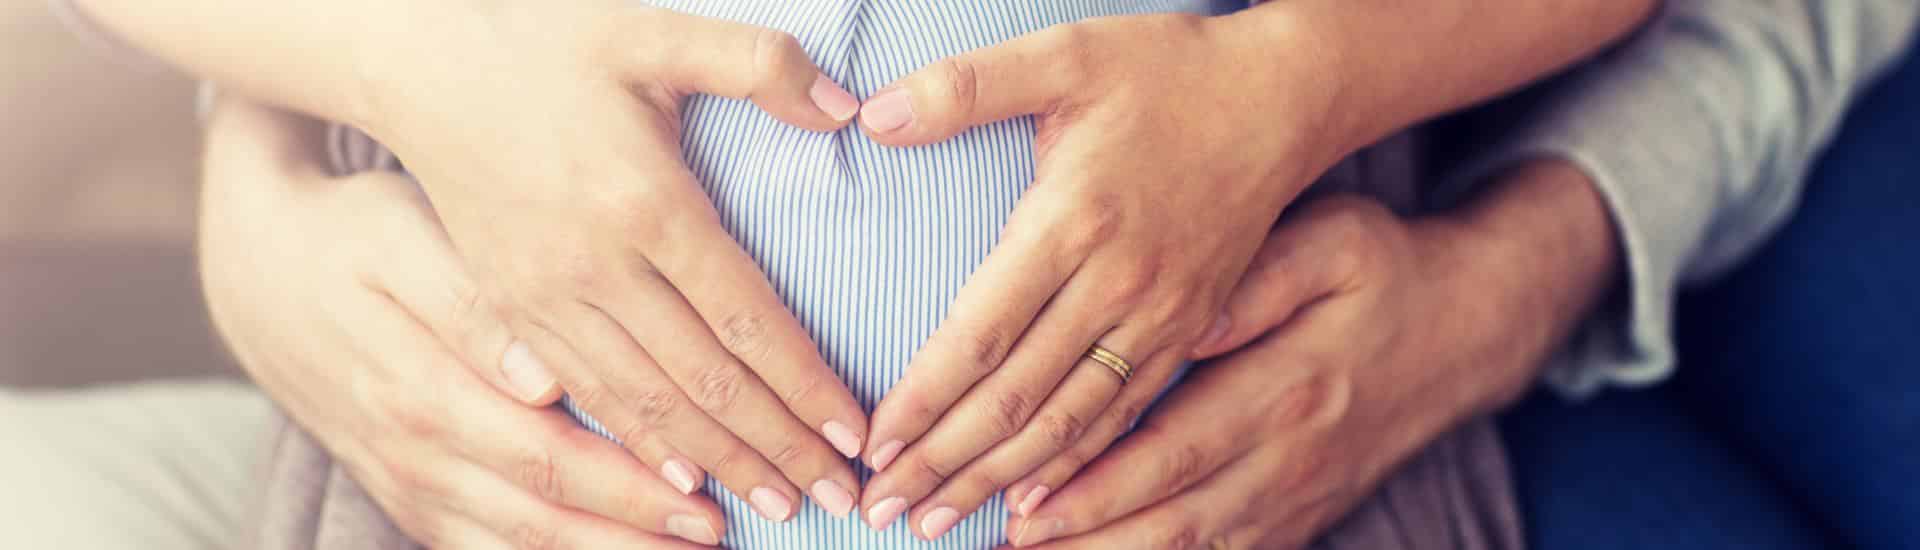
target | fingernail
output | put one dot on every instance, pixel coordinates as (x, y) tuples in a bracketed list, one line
[(528, 376), (679, 475), (886, 453), (1033, 500), (1037, 531), (842, 438), (833, 497), (1215, 334), (692, 529), (938, 521), (770, 503), (881, 515), (833, 99), (889, 111)]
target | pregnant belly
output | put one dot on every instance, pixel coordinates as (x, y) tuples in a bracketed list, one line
[(867, 244)]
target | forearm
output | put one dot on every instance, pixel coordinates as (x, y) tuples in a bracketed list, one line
[(1520, 266), (307, 56), (1392, 63)]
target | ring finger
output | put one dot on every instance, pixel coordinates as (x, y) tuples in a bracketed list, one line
[(1059, 424), (999, 406)]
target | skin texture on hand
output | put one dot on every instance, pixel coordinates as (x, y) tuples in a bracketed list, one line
[(1154, 177), (1359, 339), (338, 296), (550, 149)]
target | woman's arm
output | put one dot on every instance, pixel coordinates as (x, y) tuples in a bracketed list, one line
[(308, 56), (1168, 145), (1391, 64), (547, 136)]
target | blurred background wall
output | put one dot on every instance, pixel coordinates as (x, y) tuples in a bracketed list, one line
[(97, 193)]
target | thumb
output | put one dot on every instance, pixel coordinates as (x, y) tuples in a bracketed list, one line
[(1028, 75), (691, 54), (1295, 267)]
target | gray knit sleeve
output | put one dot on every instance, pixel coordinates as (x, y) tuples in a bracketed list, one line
[(1699, 133)]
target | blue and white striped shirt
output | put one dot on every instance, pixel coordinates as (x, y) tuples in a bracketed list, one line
[(869, 244)]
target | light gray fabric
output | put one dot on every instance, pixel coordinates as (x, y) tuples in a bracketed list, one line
[(158, 465), (1699, 132)]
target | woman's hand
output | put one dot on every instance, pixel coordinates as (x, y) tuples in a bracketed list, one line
[(1270, 444), (1155, 183), (333, 291), (551, 153), (1366, 338)]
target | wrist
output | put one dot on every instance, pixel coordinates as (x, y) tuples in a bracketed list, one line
[(1288, 59), (1520, 266)]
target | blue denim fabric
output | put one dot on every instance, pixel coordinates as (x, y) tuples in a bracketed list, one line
[(1794, 421)]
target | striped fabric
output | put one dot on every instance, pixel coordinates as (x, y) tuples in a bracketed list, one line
[(868, 244)]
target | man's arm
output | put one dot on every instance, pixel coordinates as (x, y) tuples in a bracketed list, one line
[(1697, 133)]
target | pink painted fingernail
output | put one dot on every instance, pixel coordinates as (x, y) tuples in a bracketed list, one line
[(886, 453), (842, 438), (1038, 531), (938, 521), (832, 99), (692, 529), (891, 110), (529, 377), (836, 499), (680, 476), (881, 515), (1033, 500), (770, 503)]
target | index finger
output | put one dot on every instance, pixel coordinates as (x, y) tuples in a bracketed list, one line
[(732, 295), (995, 307)]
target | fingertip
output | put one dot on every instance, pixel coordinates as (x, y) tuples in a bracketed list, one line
[(844, 438), (836, 102), (1216, 337), (527, 377), (886, 115)]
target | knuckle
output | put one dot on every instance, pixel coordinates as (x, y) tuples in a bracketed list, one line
[(1072, 46), (932, 470), (771, 50), (536, 472), (1181, 465), (804, 391), (983, 347), (579, 270), (1095, 222), (717, 388), (1181, 534), (960, 80), (744, 334), (419, 421), (786, 452), (409, 476), (654, 406), (1008, 413), (732, 456), (534, 536), (1131, 288), (1062, 429)]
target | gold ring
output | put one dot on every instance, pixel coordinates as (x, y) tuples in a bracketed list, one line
[(1112, 361)]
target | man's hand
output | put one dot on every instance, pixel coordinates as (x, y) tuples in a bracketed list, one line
[(1370, 338)]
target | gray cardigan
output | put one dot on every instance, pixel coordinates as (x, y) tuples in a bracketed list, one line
[(1699, 131)]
